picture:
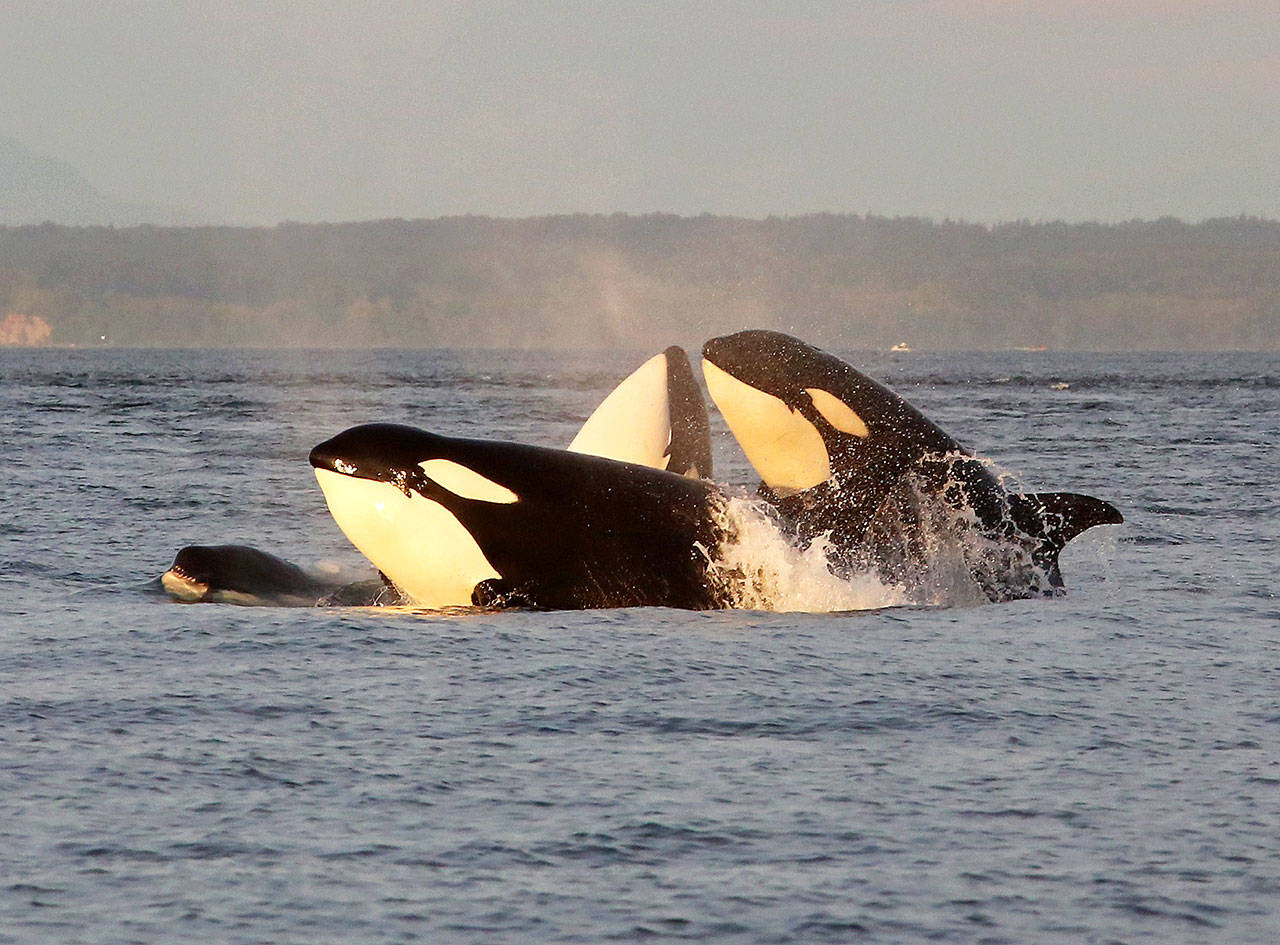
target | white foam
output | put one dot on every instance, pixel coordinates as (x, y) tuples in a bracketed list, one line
[(920, 550), (761, 569)]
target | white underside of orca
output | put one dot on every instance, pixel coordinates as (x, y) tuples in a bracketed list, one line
[(418, 544), (632, 424), (784, 447)]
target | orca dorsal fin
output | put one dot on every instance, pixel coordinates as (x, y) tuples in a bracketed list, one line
[(655, 417), (1061, 516)]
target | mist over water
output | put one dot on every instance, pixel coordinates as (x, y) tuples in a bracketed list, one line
[(1096, 767)]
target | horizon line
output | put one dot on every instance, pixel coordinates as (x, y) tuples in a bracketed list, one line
[(1025, 221)]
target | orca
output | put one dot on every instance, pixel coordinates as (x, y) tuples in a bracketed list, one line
[(845, 459), (457, 522), (476, 552), (239, 574)]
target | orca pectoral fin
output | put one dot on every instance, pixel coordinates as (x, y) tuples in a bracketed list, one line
[(1061, 516), (656, 417)]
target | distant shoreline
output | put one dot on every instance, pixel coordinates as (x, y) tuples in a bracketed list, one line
[(596, 281)]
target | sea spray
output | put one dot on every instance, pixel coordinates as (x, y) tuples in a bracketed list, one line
[(929, 538), (924, 546), (759, 566)]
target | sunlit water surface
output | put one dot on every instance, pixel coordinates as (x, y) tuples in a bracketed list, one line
[(1101, 767)]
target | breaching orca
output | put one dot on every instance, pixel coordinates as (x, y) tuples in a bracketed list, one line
[(238, 574), (845, 458), (455, 522)]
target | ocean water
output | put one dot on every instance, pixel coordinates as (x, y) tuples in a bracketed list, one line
[(1101, 767)]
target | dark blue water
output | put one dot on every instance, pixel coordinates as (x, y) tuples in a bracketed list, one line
[(1103, 767)]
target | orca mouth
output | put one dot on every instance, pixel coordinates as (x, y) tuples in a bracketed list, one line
[(183, 586), (187, 576), (324, 456), (320, 458)]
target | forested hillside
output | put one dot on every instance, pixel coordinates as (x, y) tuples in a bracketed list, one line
[(646, 281)]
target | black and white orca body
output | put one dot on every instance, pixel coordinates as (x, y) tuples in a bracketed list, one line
[(238, 574), (843, 457), (455, 522), (607, 523)]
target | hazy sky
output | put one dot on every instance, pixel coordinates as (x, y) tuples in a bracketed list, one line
[(251, 112)]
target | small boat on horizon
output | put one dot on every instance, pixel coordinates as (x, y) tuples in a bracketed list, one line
[(901, 346)]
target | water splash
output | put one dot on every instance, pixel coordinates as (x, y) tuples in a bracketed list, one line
[(947, 538), (758, 566), (925, 545)]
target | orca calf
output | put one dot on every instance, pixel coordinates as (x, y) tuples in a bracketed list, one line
[(456, 522), (846, 459), (238, 574)]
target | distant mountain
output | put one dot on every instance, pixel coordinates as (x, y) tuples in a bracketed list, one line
[(36, 189)]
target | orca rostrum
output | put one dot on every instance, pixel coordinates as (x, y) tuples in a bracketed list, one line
[(845, 459)]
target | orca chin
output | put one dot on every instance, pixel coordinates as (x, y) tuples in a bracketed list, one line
[(844, 458)]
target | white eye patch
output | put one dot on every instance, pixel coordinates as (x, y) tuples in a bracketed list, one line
[(465, 482), (837, 413)]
